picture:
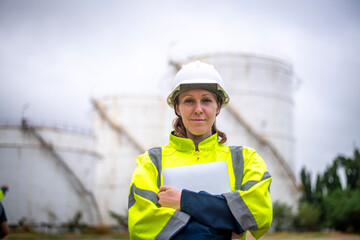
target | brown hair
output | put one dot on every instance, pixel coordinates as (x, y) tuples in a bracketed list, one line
[(180, 130)]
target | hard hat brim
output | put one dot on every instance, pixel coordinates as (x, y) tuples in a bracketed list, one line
[(207, 84)]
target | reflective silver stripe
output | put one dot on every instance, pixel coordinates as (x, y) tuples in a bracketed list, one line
[(238, 164), (149, 195), (155, 156), (246, 186), (177, 221), (131, 201), (240, 210)]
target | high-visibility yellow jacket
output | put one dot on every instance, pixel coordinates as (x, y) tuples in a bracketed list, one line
[(249, 199), (1, 194)]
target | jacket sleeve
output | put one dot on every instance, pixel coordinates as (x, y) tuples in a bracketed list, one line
[(210, 210), (251, 204), (147, 220)]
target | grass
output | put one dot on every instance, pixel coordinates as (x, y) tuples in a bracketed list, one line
[(308, 235), (32, 235), (110, 236)]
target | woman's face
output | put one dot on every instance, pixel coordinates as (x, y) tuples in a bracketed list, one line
[(198, 109)]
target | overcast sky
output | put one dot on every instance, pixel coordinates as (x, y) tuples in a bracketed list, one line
[(56, 55)]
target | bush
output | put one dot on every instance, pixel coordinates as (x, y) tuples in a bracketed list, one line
[(342, 210), (74, 224), (283, 217), (330, 204), (308, 217), (24, 225)]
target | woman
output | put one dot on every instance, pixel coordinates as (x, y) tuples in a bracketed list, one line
[(164, 212)]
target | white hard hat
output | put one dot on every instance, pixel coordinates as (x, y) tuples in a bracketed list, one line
[(198, 75)]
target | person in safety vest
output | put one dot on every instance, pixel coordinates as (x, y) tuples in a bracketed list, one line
[(157, 211), (4, 227)]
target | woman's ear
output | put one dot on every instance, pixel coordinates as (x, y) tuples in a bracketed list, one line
[(218, 109), (177, 111)]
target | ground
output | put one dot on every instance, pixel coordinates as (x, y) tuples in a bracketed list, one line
[(268, 236)]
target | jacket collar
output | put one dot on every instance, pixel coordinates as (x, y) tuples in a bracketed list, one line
[(186, 144)]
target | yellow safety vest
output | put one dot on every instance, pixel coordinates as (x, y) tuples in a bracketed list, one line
[(1, 195), (249, 199)]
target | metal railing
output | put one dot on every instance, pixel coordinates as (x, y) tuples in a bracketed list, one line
[(46, 124)]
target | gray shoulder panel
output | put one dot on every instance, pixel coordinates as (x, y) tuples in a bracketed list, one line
[(155, 156), (131, 200), (238, 164)]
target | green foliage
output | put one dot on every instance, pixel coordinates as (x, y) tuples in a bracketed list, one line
[(319, 190), (352, 169), (307, 195), (282, 217), (24, 225), (331, 177), (328, 204), (342, 210), (308, 217), (74, 224)]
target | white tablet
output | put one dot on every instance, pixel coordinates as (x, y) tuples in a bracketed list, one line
[(210, 177)]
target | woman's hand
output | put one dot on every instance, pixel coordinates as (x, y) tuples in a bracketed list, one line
[(236, 236), (169, 197)]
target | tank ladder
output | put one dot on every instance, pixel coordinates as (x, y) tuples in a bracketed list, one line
[(79, 186)]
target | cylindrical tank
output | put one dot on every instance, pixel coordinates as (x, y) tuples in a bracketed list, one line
[(124, 127), (50, 172), (261, 88)]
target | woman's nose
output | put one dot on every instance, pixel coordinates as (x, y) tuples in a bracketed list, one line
[(198, 108)]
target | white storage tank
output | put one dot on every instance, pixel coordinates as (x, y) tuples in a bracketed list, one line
[(124, 127), (261, 88), (50, 172)]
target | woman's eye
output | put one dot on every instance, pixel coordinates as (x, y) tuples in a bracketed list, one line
[(188, 100), (207, 100)]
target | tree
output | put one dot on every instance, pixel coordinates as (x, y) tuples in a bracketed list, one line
[(329, 204), (307, 195), (352, 169), (343, 210), (319, 189), (308, 217), (331, 177)]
